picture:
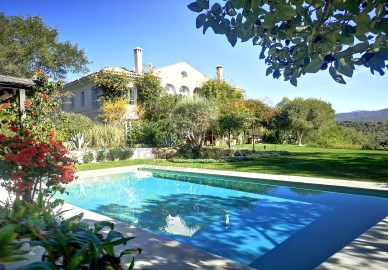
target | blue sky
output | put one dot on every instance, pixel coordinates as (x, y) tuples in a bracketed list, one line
[(109, 30)]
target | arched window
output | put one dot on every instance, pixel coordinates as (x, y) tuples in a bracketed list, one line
[(170, 89), (184, 90)]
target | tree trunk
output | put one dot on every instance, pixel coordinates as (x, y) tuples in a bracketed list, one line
[(229, 135), (299, 135)]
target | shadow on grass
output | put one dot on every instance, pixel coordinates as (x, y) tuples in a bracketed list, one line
[(367, 167)]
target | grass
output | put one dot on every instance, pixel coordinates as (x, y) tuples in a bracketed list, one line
[(346, 164)]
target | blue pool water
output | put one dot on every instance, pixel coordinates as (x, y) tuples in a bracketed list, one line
[(261, 225)]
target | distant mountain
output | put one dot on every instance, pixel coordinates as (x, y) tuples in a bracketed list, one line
[(380, 115)]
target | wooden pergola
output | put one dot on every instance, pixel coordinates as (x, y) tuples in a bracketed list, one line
[(14, 86)]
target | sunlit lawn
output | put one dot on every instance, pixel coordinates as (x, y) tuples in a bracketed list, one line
[(360, 165)]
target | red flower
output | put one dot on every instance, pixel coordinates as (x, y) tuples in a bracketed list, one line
[(45, 96), (29, 141), (26, 132), (27, 102), (51, 133), (14, 129), (33, 113), (3, 138)]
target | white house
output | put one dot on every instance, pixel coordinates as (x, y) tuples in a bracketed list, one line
[(178, 78)]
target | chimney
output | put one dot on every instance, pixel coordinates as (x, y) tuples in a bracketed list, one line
[(220, 73), (138, 52)]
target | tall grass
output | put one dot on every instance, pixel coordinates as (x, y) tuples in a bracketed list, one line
[(102, 136)]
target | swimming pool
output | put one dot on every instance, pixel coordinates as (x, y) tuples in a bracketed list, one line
[(255, 223)]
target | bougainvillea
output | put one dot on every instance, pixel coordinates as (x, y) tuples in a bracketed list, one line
[(32, 160)]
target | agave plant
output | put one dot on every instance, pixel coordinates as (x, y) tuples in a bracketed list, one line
[(78, 139), (73, 245)]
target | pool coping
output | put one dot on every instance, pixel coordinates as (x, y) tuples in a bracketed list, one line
[(373, 242)]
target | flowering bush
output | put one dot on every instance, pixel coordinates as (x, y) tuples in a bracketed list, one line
[(30, 167), (32, 161)]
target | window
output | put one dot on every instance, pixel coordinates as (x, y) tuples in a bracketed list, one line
[(72, 103), (170, 89), (184, 74), (62, 103), (95, 95), (83, 98), (184, 90)]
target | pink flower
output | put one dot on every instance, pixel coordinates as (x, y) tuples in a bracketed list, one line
[(27, 102)]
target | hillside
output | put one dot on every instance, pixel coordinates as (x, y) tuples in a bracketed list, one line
[(380, 115)]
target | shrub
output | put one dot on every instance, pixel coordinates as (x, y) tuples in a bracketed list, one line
[(165, 152), (101, 155), (104, 136), (256, 155), (74, 245), (88, 157), (242, 152), (71, 123), (125, 153), (113, 154), (147, 133), (215, 153), (198, 160)]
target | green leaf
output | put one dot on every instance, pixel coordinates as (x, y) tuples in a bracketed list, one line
[(200, 21), (336, 76), (382, 25), (268, 71), (203, 4), (132, 264), (195, 7), (112, 235), (117, 242), (360, 47), (262, 53), (232, 38), (314, 66), (130, 251), (100, 225), (216, 7), (383, 53), (38, 266), (232, 12), (345, 67), (294, 81), (269, 20), (362, 22), (285, 12), (255, 4), (276, 74)]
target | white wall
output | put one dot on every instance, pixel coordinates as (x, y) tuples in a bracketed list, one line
[(180, 76)]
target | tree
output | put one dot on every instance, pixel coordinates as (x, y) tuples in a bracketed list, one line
[(150, 92), (221, 91), (113, 111), (231, 122), (303, 115), (256, 113), (193, 117), (33, 162), (112, 84), (304, 36), (28, 44)]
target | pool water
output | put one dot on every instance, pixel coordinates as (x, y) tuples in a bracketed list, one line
[(261, 225)]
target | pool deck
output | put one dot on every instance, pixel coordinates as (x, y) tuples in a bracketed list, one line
[(368, 251)]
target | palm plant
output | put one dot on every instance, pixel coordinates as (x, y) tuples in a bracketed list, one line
[(72, 245)]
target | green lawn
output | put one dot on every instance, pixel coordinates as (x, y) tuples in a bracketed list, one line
[(360, 165)]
